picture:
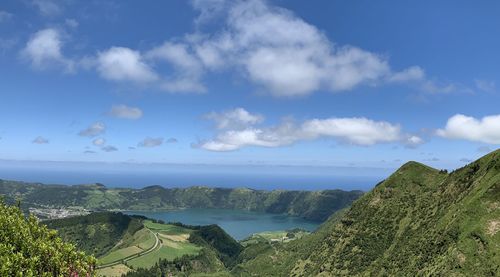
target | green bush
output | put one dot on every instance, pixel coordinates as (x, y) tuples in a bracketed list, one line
[(28, 248)]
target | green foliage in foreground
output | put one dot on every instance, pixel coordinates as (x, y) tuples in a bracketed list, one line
[(28, 248), (96, 233)]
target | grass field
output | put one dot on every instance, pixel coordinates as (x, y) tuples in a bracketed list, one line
[(270, 236), (174, 243), (169, 250)]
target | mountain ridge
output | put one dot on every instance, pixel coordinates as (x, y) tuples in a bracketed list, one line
[(311, 205), (418, 222)]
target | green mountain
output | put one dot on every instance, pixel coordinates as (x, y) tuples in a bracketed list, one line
[(30, 249), (312, 205), (418, 222)]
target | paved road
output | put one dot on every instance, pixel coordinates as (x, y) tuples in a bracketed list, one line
[(136, 255)]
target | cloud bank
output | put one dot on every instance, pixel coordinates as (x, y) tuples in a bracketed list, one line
[(356, 130)]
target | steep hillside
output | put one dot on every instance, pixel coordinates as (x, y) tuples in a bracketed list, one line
[(420, 221), (312, 205), (96, 233), (28, 248)]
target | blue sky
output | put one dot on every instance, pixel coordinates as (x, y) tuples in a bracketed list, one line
[(329, 83)]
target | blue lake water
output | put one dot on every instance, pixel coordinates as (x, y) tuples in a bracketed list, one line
[(239, 224)]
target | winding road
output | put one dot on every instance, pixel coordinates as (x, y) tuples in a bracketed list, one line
[(136, 255)]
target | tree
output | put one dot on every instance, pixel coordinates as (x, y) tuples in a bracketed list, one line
[(28, 248)]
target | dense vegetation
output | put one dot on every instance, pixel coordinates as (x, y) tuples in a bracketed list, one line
[(312, 205), (30, 249), (96, 233), (419, 222)]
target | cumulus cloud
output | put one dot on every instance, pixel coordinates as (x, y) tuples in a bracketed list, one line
[(40, 140), (413, 141), (99, 142), (109, 148), (93, 130), (43, 50), (126, 112), (356, 131), (284, 54), (89, 152), (270, 46), (236, 118), (189, 68), (465, 160), (486, 129), (151, 142), (124, 64)]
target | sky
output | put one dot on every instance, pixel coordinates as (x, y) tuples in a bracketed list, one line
[(359, 84)]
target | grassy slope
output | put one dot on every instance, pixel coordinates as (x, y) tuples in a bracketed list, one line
[(418, 222), (96, 233)]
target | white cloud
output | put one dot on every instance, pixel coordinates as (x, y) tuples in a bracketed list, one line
[(126, 112), (151, 142), (286, 55), (413, 141), (99, 142), (43, 50), (269, 46), (414, 73), (486, 129), (4, 16), (188, 67), (40, 140), (356, 131), (236, 118), (47, 7), (124, 64), (93, 130), (109, 148)]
